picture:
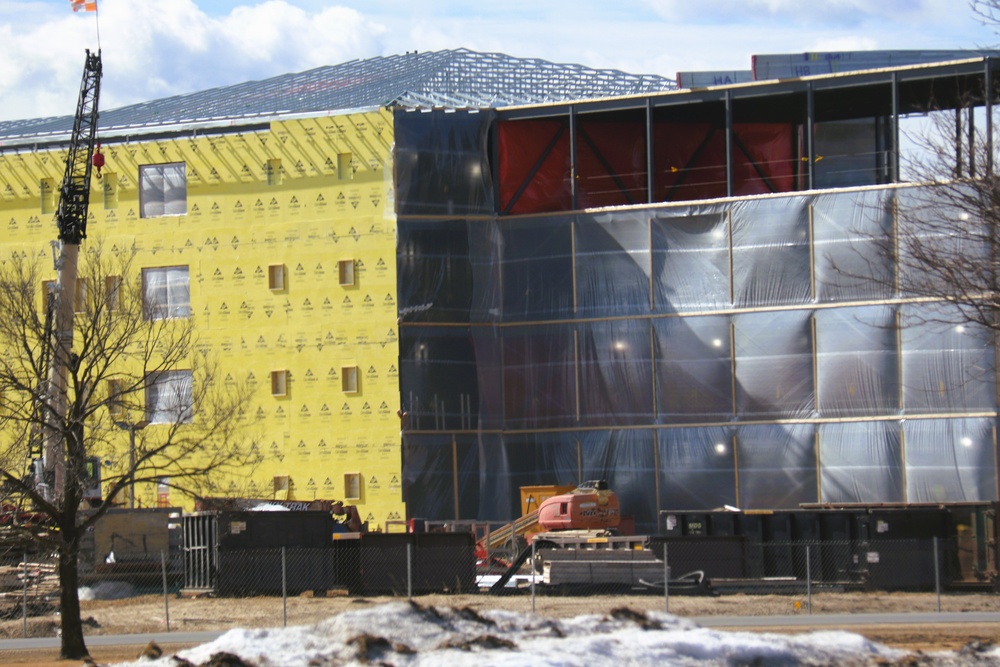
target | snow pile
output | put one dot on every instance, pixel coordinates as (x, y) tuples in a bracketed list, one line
[(407, 634), (107, 590), (269, 507)]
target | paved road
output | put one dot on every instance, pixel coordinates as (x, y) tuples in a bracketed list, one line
[(841, 620), (113, 640), (798, 620)]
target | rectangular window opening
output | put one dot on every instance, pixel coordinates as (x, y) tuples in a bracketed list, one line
[(345, 170), (349, 379), (162, 190), (345, 269), (276, 277), (281, 484), (352, 486), (279, 383), (169, 397), (166, 292), (47, 187), (273, 170), (163, 492), (112, 291), (116, 406), (109, 187)]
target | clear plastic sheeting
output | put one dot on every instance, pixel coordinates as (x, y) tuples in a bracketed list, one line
[(428, 462), (694, 369), (627, 459), (539, 377), (697, 468), (857, 361), (861, 462), (777, 465), (947, 367), (690, 260), (771, 252), (434, 271), (751, 353), (537, 269), (442, 475), (613, 271), (942, 247), (438, 382), (616, 373), (950, 460), (774, 365), (846, 155), (441, 163), (849, 236), (519, 461)]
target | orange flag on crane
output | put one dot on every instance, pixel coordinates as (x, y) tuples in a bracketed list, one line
[(85, 5)]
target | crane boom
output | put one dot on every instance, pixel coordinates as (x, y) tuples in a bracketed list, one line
[(71, 219), (74, 198)]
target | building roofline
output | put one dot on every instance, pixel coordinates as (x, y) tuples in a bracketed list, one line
[(854, 78), (207, 127)]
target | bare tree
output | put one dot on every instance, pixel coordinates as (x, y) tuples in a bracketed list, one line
[(987, 11), (946, 242), (944, 248), (130, 362)]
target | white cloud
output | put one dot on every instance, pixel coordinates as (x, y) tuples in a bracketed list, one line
[(830, 13), (156, 49)]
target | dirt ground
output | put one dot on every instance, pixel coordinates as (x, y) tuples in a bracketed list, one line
[(148, 614)]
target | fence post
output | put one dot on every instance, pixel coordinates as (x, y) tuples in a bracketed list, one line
[(532, 570), (284, 590), (24, 596), (409, 571), (937, 575), (486, 543), (166, 596), (666, 579), (809, 581)]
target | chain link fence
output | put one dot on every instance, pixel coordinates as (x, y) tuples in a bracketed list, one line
[(689, 577)]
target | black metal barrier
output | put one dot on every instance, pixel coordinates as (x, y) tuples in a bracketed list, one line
[(737, 564)]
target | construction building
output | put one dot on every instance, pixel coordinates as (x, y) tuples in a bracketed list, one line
[(455, 274)]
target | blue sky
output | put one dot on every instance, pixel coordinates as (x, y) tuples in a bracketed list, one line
[(157, 48)]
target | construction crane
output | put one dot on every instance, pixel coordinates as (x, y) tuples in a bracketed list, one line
[(71, 219)]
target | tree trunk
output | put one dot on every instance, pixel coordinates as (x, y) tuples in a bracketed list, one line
[(73, 646)]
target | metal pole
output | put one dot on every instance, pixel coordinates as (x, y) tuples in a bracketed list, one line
[(532, 576), (574, 170), (166, 597), (409, 571), (810, 143), (809, 581), (937, 575), (131, 466), (284, 590), (24, 597), (729, 143), (666, 579)]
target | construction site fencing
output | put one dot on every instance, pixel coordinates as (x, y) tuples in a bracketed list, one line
[(704, 577)]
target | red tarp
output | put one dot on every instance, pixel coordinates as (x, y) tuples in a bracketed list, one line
[(689, 160)]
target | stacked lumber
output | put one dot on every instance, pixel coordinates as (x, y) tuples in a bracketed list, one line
[(42, 580), (18, 539)]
